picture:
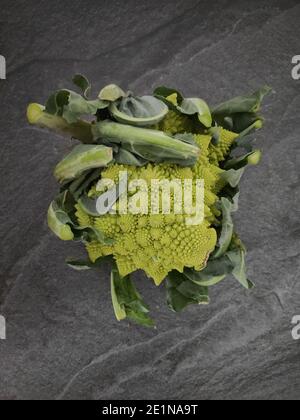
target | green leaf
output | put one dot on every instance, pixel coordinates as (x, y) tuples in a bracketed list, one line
[(37, 115), (56, 103), (216, 133), (186, 138), (181, 292), (63, 223), (116, 288), (140, 112), (237, 256), (232, 262), (58, 222), (176, 301), (82, 82), (193, 291), (252, 158), (215, 271), (189, 106), (243, 104), (82, 265), (72, 106), (79, 106), (233, 177), (139, 316), (197, 106), (242, 121), (127, 302), (81, 185), (164, 92), (124, 157), (232, 194), (240, 114), (111, 93), (79, 265), (89, 205), (81, 159), (227, 228), (88, 233), (235, 167), (151, 145), (109, 199)]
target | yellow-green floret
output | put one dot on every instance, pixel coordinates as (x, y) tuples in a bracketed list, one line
[(219, 152), (175, 123), (160, 243)]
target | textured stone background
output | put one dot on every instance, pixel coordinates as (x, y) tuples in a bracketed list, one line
[(63, 341)]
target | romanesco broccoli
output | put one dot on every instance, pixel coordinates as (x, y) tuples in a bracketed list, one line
[(159, 138), (158, 244)]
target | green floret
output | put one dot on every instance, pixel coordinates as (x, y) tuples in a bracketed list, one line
[(158, 244), (219, 152), (175, 123)]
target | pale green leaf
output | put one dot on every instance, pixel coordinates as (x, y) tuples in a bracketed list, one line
[(140, 112), (82, 82)]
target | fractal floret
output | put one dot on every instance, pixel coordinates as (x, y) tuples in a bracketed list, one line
[(152, 186)]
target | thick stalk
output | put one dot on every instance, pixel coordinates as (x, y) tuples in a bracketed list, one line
[(152, 144), (80, 130), (82, 159)]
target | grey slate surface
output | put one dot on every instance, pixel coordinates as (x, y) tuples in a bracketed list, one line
[(62, 339)]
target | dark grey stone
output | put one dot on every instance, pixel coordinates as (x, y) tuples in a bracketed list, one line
[(62, 339)]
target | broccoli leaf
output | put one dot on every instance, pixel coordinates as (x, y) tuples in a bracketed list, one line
[(235, 167), (237, 256), (88, 233), (164, 92), (62, 222), (233, 177), (240, 114), (186, 138), (188, 106), (82, 265), (216, 133), (181, 292), (215, 271), (58, 222), (111, 93), (72, 106), (227, 228), (108, 200), (252, 158), (151, 145), (81, 159), (79, 265), (89, 205), (79, 106), (193, 291), (127, 302), (242, 121), (140, 112), (125, 157), (80, 186), (243, 104), (82, 82), (196, 106)]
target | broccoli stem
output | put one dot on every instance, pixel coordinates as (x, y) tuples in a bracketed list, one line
[(80, 130), (82, 159), (151, 144)]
